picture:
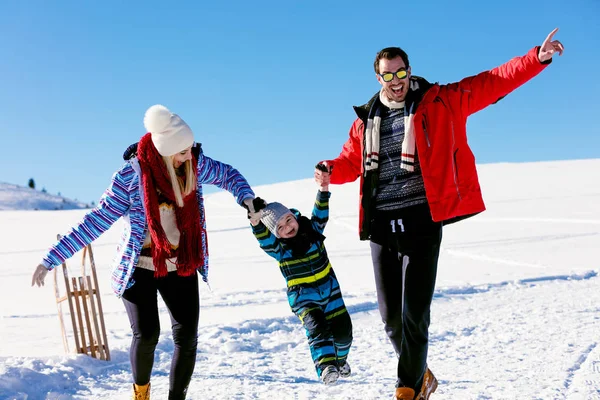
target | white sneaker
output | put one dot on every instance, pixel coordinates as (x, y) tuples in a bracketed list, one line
[(330, 375), (345, 370)]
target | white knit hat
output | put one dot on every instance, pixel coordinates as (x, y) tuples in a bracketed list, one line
[(271, 215), (170, 134)]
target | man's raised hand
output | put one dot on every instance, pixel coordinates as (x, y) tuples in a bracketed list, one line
[(550, 47)]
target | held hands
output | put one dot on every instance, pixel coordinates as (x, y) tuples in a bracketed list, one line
[(254, 207), (39, 275), (323, 176), (550, 47)]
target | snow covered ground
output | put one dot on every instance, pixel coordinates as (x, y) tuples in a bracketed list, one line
[(15, 197), (516, 314)]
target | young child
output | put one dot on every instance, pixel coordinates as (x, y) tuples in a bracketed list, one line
[(312, 288)]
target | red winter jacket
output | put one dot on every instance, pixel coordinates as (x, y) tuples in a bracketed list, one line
[(447, 163)]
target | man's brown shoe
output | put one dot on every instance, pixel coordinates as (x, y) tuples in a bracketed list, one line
[(404, 393), (430, 383)]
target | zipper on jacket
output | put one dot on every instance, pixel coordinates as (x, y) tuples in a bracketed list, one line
[(424, 123), (454, 165)]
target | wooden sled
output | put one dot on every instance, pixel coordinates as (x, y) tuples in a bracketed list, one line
[(85, 307)]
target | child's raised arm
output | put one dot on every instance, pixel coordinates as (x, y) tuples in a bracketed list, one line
[(267, 241), (320, 214)]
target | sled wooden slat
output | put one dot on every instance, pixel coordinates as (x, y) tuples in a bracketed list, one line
[(77, 296), (86, 314), (100, 313), (71, 308), (88, 286), (85, 308), (59, 300)]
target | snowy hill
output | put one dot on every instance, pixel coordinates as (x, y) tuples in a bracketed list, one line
[(515, 315), (15, 197)]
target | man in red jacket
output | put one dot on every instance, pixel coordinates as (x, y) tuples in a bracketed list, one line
[(417, 172)]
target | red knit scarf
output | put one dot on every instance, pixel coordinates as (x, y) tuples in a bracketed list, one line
[(156, 177)]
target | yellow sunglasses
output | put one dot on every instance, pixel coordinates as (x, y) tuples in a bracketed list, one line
[(389, 76)]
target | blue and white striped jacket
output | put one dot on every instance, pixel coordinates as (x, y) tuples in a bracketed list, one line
[(125, 198)]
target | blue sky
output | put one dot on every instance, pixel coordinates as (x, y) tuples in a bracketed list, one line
[(269, 86)]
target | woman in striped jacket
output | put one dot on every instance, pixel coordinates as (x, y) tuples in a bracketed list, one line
[(159, 195)]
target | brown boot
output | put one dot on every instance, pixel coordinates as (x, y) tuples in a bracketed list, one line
[(404, 393), (141, 392), (429, 385)]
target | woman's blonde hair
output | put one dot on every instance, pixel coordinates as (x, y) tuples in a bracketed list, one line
[(182, 185)]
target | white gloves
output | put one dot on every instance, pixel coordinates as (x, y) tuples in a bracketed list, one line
[(38, 275)]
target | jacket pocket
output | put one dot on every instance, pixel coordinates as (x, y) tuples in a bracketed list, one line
[(293, 293), (455, 172), (425, 129), (455, 166)]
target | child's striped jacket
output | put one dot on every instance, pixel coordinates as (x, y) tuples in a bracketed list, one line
[(312, 268)]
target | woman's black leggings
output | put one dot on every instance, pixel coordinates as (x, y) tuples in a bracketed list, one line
[(180, 294)]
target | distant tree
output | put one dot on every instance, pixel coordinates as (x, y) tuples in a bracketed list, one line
[(44, 190), (58, 194), (31, 183)]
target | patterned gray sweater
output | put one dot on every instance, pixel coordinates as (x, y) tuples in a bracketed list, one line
[(397, 187)]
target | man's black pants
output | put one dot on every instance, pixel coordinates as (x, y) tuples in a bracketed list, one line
[(405, 246)]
